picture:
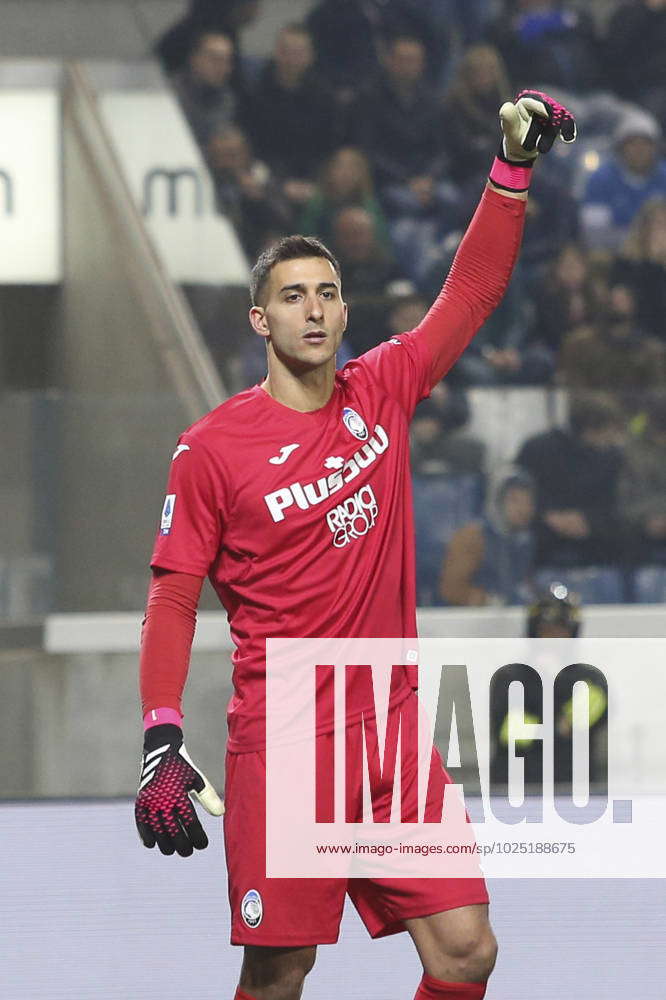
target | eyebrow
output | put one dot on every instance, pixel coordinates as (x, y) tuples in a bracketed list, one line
[(301, 288)]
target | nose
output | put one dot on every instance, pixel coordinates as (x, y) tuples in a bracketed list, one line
[(314, 307)]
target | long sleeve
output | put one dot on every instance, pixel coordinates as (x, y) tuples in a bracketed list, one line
[(477, 281), (166, 638)]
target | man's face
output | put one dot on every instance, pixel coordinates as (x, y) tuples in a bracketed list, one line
[(405, 61), (294, 53), (228, 151), (354, 234), (212, 61), (302, 314)]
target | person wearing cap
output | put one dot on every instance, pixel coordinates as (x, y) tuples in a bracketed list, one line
[(634, 172)]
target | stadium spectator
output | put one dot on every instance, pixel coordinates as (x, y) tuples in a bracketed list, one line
[(614, 351), (642, 265), (405, 313), (576, 476), (346, 179), (227, 17), (291, 116), (204, 87), (480, 82), (426, 437), (642, 487), (465, 18), (634, 173), (350, 35), (551, 223), (246, 191), (490, 561), (567, 297), (639, 27), (370, 271), (397, 122), (548, 41), (439, 443), (503, 353)]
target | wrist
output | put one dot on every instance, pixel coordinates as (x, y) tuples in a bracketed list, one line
[(162, 716), (159, 737), (511, 175)]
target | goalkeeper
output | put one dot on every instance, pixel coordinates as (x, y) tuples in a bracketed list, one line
[(248, 506)]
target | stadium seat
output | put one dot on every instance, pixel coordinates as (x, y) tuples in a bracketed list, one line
[(593, 584), (499, 417), (442, 504)]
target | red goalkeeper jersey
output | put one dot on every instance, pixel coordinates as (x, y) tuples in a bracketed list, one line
[(303, 521)]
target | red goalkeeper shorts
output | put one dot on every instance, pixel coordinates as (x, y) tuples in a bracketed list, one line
[(284, 912)]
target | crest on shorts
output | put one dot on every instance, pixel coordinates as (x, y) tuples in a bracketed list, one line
[(354, 423), (252, 908)]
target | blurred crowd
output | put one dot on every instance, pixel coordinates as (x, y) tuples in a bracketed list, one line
[(373, 125)]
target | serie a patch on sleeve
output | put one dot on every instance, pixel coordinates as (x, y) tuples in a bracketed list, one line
[(167, 513)]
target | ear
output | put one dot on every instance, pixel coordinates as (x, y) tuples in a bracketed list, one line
[(346, 316), (258, 321)]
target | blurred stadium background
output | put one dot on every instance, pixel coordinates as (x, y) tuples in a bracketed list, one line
[(140, 171)]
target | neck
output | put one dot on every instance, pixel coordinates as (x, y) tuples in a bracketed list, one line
[(305, 391)]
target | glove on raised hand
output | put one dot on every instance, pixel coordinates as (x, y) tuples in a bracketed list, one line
[(530, 125), (168, 783)]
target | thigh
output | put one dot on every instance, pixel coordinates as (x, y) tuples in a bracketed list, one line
[(386, 906), (269, 913)]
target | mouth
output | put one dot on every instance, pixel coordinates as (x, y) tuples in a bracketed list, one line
[(315, 336)]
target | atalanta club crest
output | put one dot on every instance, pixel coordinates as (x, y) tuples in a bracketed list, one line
[(354, 424), (252, 909)]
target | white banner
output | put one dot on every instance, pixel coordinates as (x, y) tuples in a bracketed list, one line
[(30, 188), (172, 188)]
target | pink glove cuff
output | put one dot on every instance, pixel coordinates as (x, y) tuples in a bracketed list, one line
[(510, 176), (158, 716)]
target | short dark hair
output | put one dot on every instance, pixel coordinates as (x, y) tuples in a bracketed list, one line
[(288, 248)]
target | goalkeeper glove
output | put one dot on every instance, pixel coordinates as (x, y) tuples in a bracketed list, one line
[(168, 783), (530, 126)]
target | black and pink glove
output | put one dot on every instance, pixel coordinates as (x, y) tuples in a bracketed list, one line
[(530, 126), (168, 783)]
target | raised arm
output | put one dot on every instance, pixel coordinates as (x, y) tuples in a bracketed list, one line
[(482, 267)]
